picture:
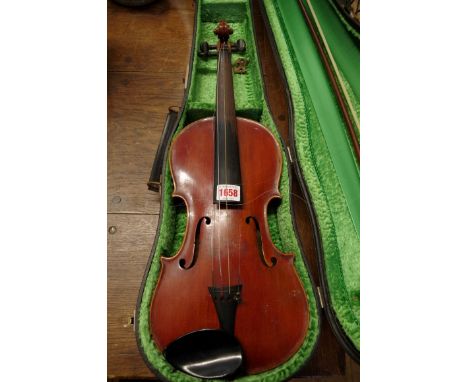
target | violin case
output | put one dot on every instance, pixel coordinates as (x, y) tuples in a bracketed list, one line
[(320, 153)]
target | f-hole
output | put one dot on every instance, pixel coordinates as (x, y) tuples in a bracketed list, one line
[(260, 243), (196, 244)]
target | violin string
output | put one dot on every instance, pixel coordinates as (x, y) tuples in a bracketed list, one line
[(214, 219), (211, 245), (242, 204), (217, 183), (239, 254), (213, 208), (226, 56), (212, 216)]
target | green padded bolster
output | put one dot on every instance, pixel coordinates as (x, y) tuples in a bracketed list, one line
[(250, 103), (325, 158)]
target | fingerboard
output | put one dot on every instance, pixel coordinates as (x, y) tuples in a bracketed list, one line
[(227, 174)]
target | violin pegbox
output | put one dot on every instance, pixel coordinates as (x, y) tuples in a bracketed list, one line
[(223, 31)]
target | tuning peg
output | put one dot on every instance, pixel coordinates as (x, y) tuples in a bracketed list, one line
[(205, 49), (211, 50), (239, 46)]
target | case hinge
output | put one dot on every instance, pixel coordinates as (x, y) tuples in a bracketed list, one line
[(319, 292), (289, 154), (131, 321), (186, 76)]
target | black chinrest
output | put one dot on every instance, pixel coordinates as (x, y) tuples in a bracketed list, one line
[(207, 353)]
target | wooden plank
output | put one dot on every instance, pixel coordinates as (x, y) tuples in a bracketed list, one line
[(148, 52), (155, 38), (137, 108), (128, 252)]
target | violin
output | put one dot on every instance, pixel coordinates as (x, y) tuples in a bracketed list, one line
[(229, 302)]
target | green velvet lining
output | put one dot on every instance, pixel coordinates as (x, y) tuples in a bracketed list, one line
[(339, 231), (250, 103)]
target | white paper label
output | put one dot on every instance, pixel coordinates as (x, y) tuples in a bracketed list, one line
[(228, 192)]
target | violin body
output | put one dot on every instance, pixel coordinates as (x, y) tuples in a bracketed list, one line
[(228, 273), (272, 316)]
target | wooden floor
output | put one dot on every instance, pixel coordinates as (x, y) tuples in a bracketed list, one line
[(148, 53)]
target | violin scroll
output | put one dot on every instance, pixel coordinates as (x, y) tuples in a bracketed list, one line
[(223, 30)]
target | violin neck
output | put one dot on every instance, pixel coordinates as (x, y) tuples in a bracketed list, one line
[(227, 163)]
